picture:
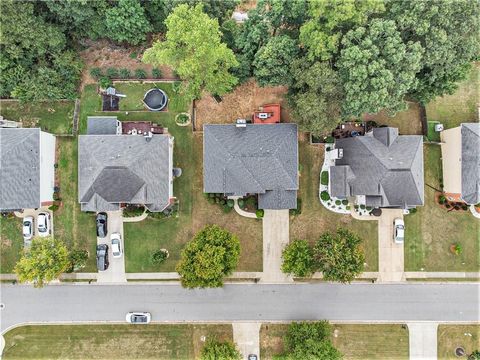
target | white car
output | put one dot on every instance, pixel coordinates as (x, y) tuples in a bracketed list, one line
[(27, 229), (43, 224), (138, 317), (116, 245), (398, 231)]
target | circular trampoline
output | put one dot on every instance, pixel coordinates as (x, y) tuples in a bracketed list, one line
[(155, 99)]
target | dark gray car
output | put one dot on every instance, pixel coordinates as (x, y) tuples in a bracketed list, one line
[(101, 225), (102, 257)]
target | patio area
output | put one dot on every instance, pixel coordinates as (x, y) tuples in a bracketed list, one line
[(142, 128), (349, 129)]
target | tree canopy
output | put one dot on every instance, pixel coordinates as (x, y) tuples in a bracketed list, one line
[(447, 31), (329, 20), (127, 22), (315, 96), (216, 350), (43, 262), (194, 49), (298, 259), (208, 258), (377, 68), (339, 255)]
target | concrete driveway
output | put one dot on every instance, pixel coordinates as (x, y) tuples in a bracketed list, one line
[(275, 238), (34, 213), (246, 336), (116, 270), (390, 255)]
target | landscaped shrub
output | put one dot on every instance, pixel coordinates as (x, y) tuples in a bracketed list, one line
[(53, 207), (412, 211), (259, 213), (347, 207), (212, 195), (78, 259), (140, 74), (369, 208), (251, 201), (324, 178), (464, 207), (223, 202), (345, 202), (362, 207), (324, 196), (211, 200), (298, 210), (456, 248), (104, 82), (159, 256), (226, 209), (112, 73), (182, 118), (230, 203), (442, 199), (338, 202), (355, 206), (448, 206), (133, 55), (96, 73), (241, 203), (329, 139), (124, 73), (133, 210), (217, 200), (156, 73)]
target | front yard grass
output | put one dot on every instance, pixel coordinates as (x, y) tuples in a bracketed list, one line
[(449, 337), (315, 219), (55, 117), (353, 341), (11, 243), (461, 106), (111, 341), (430, 232)]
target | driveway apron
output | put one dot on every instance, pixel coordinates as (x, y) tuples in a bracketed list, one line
[(390, 254)]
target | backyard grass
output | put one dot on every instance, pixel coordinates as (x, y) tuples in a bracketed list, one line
[(11, 243), (408, 122), (386, 342), (315, 219), (430, 232), (449, 337), (433, 135), (461, 106), (74, 227), (55, 117), (111, 341)]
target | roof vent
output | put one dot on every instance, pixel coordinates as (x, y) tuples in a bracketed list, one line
[(241, 123)]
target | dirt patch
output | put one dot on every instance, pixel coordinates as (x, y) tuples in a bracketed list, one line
[(408, 122), (104, 54), (239, 104)]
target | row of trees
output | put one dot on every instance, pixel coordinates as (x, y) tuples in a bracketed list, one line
[(338, 256)]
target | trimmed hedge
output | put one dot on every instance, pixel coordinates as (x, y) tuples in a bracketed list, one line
[(324, 196), (324, 178)]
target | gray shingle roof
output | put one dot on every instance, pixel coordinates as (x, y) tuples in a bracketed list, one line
[(382, 165), (117, 169), (19, 168), (471, 163), (102, 125), (256, 159)]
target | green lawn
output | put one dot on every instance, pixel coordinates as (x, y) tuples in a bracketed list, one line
[(450, 337), (11, 243), (111, 341), (452, 110), (430, 232), (433, 135), (136, 90), (315, 219), (55, 117), (386, 342)]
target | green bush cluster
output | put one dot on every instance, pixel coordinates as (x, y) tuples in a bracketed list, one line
[(156, 73), (133, 210), (324, 178), (259, 213), (124, 73), (221, 200), (140, 73), (324, 196), (159, 256)]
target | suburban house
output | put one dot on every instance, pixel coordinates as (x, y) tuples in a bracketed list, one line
[(117, 168), (461, 163), (27, 168), (381, 169), (241, 159)]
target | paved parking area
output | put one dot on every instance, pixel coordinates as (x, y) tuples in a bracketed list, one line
[(247, 338), (34, 213), (390, 254), (275, 238), (116, 270)]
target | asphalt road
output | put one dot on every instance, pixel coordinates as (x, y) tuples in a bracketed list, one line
[(256, 302)]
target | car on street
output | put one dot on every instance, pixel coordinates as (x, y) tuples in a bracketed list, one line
[(252, 357), (27, 229), (101, 225), (116, 245), (43, 224), (138, 317), (398, 231), (102, 257)]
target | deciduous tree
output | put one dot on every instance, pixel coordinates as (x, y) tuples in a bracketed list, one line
[(216, 350), (377, 68), (208, 258), (298, 259), (127, 22), (43, 262), (315, 96), (339, 256), (194, 49)]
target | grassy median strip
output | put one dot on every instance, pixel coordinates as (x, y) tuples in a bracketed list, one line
[(450, 337), (354, 341), (111, 341)]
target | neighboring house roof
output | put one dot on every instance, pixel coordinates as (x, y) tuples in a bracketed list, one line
[(19, 168), (256, 159), (471, 163), (124, 169), (102, 125), (384, 167)]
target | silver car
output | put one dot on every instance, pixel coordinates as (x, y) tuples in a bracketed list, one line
[(116, 245), (138, 317), (27, 229), (43, 224)]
